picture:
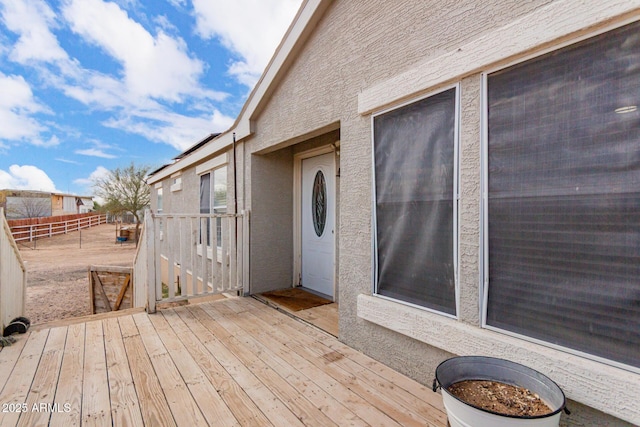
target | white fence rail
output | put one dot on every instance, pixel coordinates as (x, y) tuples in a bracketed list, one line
[(37, 231), (13, 276), (193, 255)]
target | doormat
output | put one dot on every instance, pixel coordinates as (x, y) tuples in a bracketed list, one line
[(295, 299)]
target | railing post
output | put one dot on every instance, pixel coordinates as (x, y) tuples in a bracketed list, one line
[(245, 251), (151, 261)]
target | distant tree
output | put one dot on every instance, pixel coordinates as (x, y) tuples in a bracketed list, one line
[(30, 207), (125, 190)]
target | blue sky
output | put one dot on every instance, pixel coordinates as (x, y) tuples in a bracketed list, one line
[(90, 85)]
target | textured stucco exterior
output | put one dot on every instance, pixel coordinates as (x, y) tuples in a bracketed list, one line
[(365, 57), (353, 48)]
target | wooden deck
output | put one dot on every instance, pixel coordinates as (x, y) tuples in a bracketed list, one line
[(234, 362)]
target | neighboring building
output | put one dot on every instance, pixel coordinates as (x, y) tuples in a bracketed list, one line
[(34, 204), (66, 204), (463, 178), (25, 203)]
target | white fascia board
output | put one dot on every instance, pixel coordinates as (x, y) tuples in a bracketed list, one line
[(216, 145), (307, 16), (533, 31)]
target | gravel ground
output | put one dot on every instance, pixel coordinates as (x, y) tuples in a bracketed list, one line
[(57, 279)]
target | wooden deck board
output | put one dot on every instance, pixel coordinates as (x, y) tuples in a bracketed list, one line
[(323, 375), (153, 404), (182, 404), (125, 409), (8, 358), (362, 379), (19, 383), (96, 407), (325, 402), (206, 397), (69, 389), (297, 403), (44, 383), (228, 362), (243, 408), (276, 411)]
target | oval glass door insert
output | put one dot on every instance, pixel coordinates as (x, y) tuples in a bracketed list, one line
[(319, 203)]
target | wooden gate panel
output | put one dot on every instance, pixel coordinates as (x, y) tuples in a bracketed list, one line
[(110, 288)]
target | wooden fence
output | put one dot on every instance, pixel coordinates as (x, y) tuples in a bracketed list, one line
[(13, 276), (30, 232)]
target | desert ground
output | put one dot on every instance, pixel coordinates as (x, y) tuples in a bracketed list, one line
[(57, 278)]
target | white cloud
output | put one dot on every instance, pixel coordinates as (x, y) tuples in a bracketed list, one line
[(17, 107), (26, 177), (159, 67), (178, 3), (177, 130), (88, 183), (63, 160), (51, 142), (250, 28), (157, 70), (95, 152), (99, 173), (31, 19)]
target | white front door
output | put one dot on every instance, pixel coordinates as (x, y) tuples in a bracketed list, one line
[(318, 223)]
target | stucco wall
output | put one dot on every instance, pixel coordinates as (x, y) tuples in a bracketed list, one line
[(354, 47), (271, 221)]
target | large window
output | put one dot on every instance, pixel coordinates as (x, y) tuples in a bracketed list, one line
[(213, 198), (564, 197), (414, 157), (159, 200)]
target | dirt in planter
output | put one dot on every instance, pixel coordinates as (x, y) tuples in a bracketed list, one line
[(499, 397)]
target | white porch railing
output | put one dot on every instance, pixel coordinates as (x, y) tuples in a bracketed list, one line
[(140, 269), (13, 276), (192, 255), (38, 231)]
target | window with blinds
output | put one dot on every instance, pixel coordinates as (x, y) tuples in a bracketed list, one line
[(564, 197), (414, 151)]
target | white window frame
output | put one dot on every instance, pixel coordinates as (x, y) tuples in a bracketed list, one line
[(209, 167), (456, 199), (484, 221), (159, 197)]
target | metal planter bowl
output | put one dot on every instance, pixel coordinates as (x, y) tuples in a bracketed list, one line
[(462, 414)]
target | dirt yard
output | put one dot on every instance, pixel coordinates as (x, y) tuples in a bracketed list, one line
[(57, 279)]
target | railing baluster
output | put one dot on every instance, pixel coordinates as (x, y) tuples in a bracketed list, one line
[(193, 267), (167, 243), (193, 247), (222, 268)]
